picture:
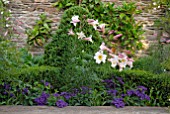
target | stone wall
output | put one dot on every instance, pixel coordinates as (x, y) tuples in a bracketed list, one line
[(27, 11)]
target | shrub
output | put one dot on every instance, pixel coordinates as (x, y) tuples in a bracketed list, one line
[(158, 85), (38, 73), (74, 56)]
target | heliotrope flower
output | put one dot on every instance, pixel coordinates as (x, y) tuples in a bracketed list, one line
[(118, 102), (81, 35), (112, 92), (100, 57), (66, 95), (25, 91), (42, 100), (60, 103), (75, 20)]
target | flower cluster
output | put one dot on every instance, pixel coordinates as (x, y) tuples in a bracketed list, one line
[(60, 103), (121, 60), (118, 102), (80, 35), (42, 100), (139, 92), (116, 90)]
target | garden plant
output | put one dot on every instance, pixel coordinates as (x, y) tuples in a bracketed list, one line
[(89, 61)]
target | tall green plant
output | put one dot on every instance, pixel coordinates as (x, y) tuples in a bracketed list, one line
[(74, 55), (120, 19)]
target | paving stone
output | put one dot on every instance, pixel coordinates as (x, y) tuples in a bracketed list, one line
[(81, 110)]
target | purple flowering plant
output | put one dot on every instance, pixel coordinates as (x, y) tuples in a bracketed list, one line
[(125, 93)]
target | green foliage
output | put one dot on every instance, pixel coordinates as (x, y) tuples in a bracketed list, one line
[(75, 57), (120, 19), (9, 59), (40, 33), (157, 61), (38, 73), (158, 85), (4, 22)]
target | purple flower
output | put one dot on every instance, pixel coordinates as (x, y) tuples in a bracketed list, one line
[(56, 95), (42, 100), (123, 95), (60, 103), (11, 95), (120, 80), (7, 86), (46, 83), (25, 91), (142, 88), (85, 90), (147, 97), (75, 92), (118, 102), (130, 92), (112, 92), (5, 93), (66, 95), (109, 83)]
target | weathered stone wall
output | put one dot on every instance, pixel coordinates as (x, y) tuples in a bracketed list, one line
[(27, 11)]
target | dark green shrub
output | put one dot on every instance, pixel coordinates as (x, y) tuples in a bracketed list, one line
[(74, 56), (158, 85), (38, 73)]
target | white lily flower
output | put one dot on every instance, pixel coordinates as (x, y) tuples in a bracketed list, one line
[(114, 61), (75, 20), (89, 39), (81, 35), (130, 62), (93, 22), (100, 57), (102, 27), (104, 47), (122, 62), (70, 32)]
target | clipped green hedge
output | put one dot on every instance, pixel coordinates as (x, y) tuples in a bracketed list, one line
[(37, 73), (158, 84)]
